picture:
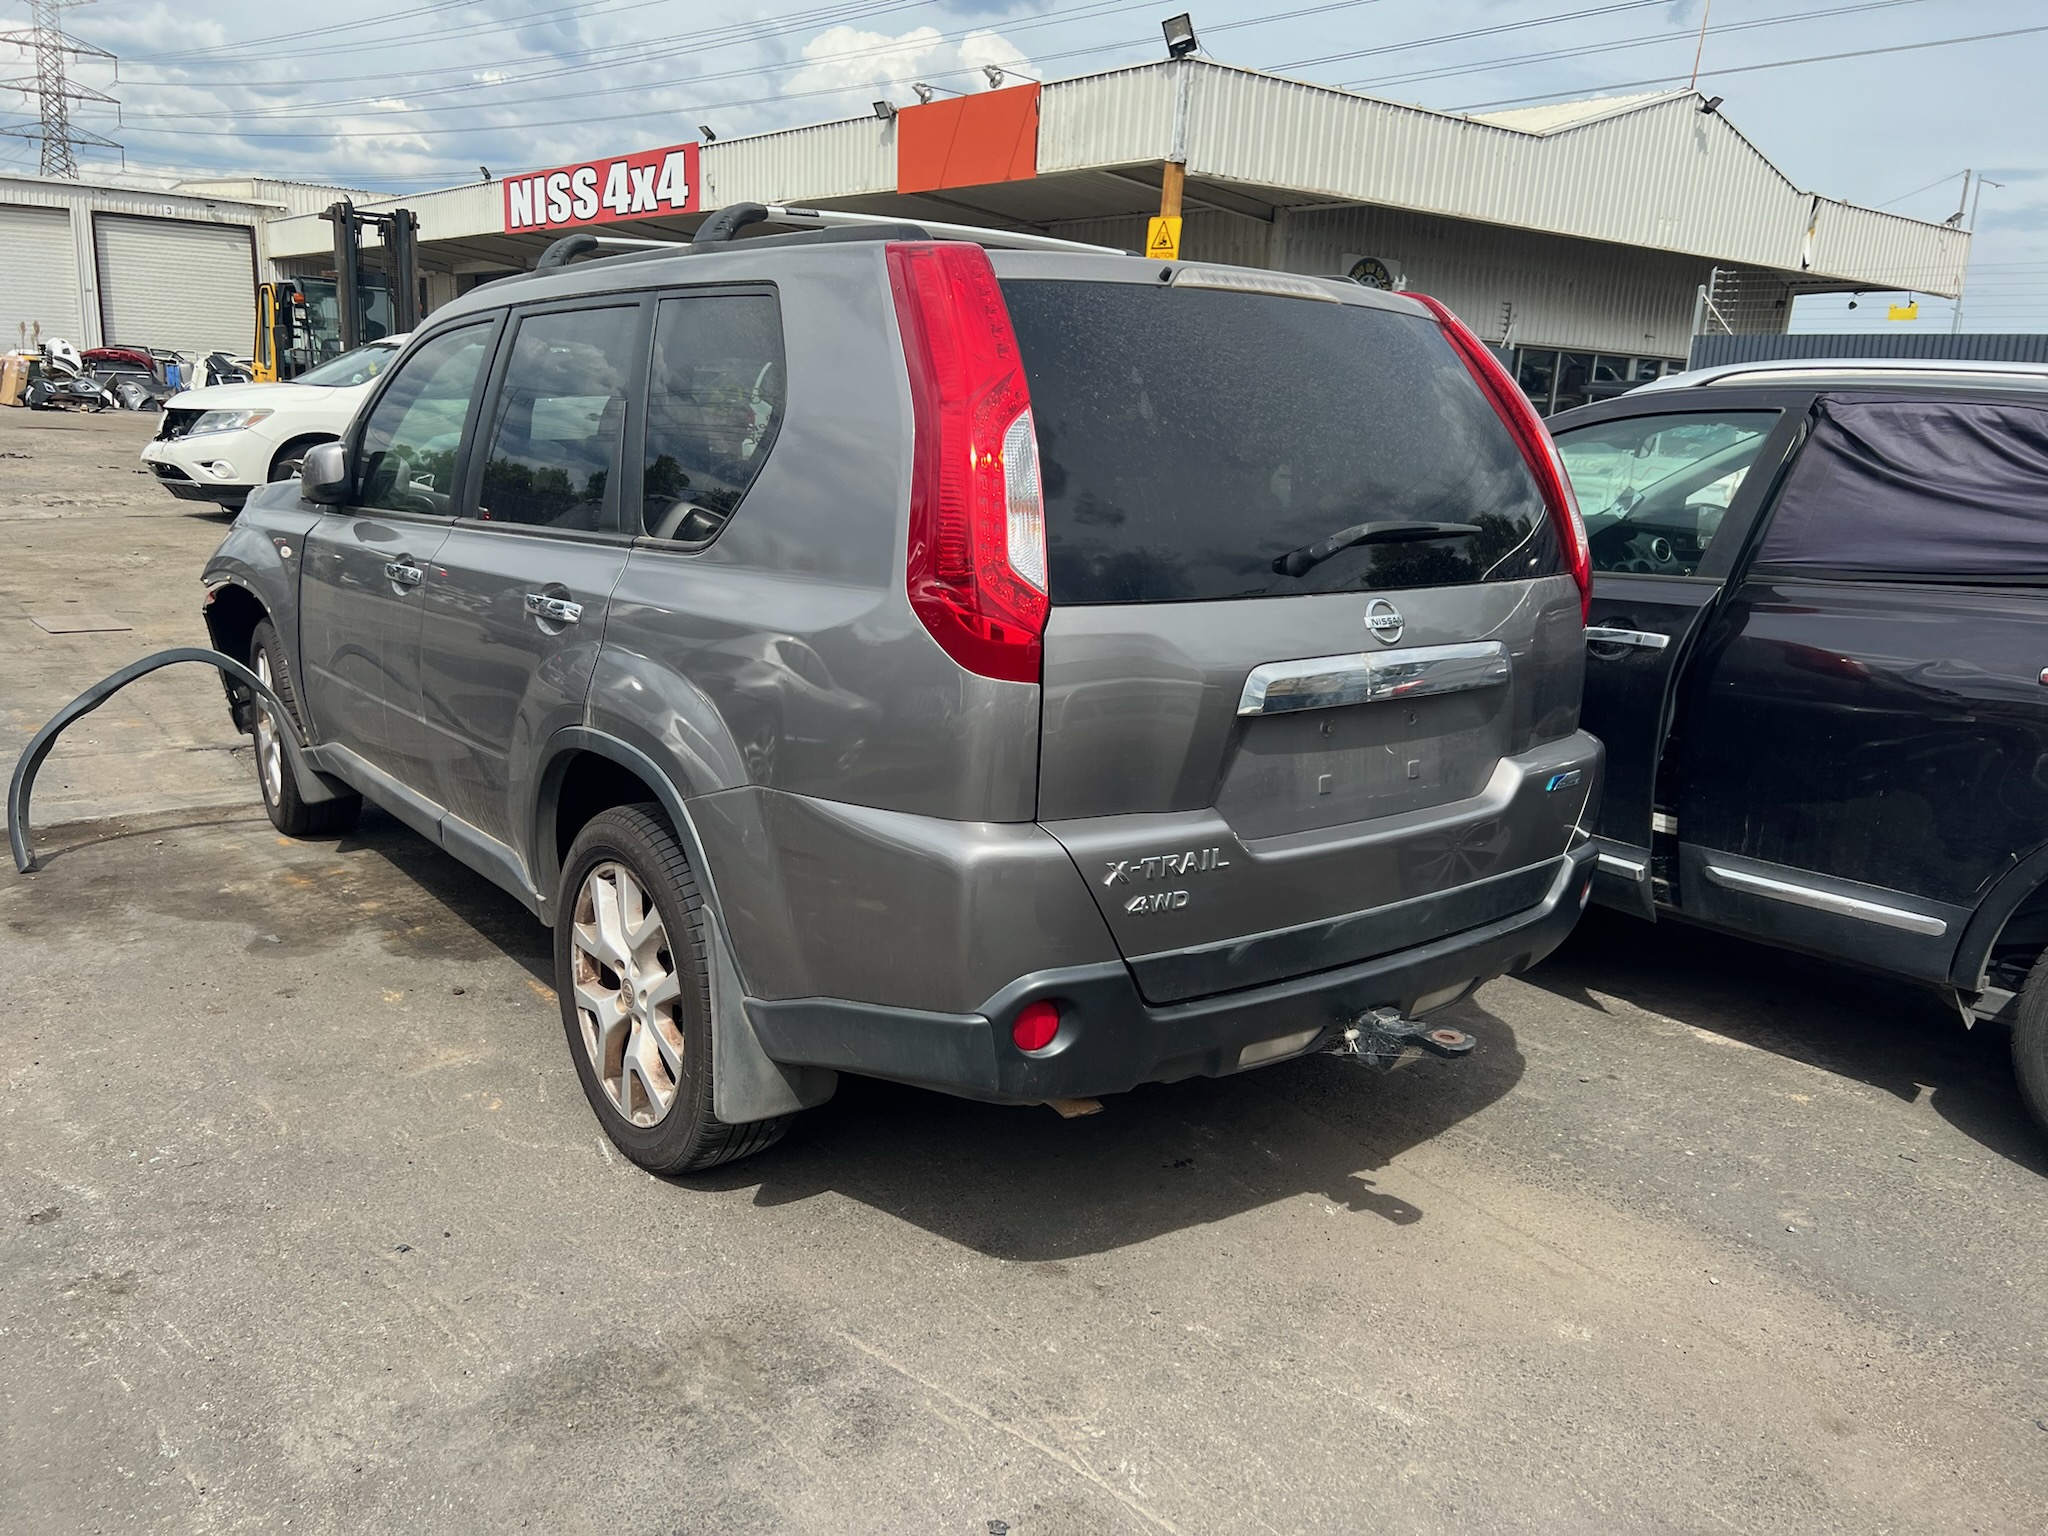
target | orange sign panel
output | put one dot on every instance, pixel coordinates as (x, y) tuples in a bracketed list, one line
[(968, 141)]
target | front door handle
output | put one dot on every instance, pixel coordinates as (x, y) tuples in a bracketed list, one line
[(1641, 639), (556, 610), (404, 572)]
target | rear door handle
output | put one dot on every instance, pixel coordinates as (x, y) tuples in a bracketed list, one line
[(1641, 639), (404, 573), (556, 610)]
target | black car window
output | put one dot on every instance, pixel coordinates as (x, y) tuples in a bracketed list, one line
[(1192, 441), (1653, 489), (560, 418), (1929, 489), (415, 430), (714, 403)]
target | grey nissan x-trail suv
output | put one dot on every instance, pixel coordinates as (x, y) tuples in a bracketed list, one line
[(1025, 672)]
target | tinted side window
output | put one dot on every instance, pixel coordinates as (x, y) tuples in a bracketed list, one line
[(715, 401), (1654, 489), (412, 438), (1935, 489), (560, 417)]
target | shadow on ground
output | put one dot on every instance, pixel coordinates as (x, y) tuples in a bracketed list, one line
[(1012, 1182), (302, 896), (1020, 1183), (1902, 1039)]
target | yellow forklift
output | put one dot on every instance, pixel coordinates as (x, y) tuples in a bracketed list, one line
[(304, 321)]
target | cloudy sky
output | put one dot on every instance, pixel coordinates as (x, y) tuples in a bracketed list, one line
[(1867, 100)]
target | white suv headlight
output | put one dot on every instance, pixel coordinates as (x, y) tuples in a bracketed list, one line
[(227, 421)]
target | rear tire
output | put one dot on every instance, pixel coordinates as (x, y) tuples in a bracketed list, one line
[(274, 779), (2030, 1042), (633, 976)]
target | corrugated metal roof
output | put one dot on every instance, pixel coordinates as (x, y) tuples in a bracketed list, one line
[(143, 201), (1553, 117), (293, 196), (826, 160), (1650, 172), (1715, 351)]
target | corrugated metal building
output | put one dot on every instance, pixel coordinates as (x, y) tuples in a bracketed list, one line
[(1577, 234), (163, 264), (1718, 351)]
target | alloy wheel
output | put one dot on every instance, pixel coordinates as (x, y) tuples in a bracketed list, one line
[(269, 749), (628, 995)]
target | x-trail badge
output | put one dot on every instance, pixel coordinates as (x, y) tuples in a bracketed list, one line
[(1384, 620)]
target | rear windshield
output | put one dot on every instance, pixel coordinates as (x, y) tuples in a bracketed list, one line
[(1191, 440)]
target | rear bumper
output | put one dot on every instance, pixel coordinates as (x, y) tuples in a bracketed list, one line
[(1110, 1039)]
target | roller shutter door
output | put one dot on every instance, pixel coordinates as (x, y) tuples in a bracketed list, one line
[(168, 283), (38, 277)]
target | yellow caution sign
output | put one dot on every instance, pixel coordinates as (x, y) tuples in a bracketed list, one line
[(1904, 311), (1162, 239)]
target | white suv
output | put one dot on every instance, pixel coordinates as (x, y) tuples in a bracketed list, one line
[(219, 443)]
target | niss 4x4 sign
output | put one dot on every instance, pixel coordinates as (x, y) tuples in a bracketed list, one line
[(644, 185)]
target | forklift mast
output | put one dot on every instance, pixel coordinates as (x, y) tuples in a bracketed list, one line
[(399, 231), (296, 324)]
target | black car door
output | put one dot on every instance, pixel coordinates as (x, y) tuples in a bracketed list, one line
[(1866, 725), (1670, 484)]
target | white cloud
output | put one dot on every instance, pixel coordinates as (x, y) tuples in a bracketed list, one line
[(857, 61)]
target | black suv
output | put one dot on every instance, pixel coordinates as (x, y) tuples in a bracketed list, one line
[(1818, 656)]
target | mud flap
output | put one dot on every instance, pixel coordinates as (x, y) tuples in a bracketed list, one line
[(745, 1085), (314, 788)]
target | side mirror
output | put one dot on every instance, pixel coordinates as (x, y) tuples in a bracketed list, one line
[(323, 475)]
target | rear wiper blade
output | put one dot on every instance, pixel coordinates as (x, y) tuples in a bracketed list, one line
[(1299, 562)]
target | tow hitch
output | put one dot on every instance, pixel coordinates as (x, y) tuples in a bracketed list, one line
[(312, 788), (1382, 1037)]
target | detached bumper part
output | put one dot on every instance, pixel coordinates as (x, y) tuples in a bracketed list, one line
[(312, 788)]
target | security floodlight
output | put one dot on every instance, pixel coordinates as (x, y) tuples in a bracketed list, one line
[(886, 111), (1180, 35), (1711, 105), (484, 171), (706, 134), (995, 76), (925, 93)]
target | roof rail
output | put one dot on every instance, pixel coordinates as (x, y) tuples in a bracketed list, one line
[(582, 243), (1006, 239), (725, 223)]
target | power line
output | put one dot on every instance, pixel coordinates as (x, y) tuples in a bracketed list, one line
[(1623, 44), (1050, 18), (1745, 69), (1938, 181), (779, 97)]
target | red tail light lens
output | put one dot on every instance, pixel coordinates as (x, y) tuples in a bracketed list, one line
[(1532, 437), (1036, 1024), (977, 563)]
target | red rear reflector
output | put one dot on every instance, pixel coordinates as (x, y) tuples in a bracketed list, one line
[(976, 570), (1036, 1025), (1539, 450)]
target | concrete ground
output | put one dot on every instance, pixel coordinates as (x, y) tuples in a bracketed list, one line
[(304, 1221)]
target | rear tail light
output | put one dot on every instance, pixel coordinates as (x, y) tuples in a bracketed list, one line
[(1532, 437), (977, 562)]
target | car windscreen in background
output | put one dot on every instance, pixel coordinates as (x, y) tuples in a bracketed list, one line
[(1934, 489), (1189, 438)]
